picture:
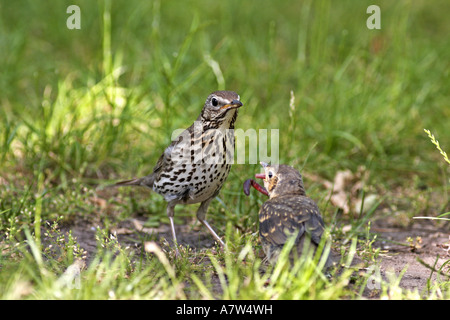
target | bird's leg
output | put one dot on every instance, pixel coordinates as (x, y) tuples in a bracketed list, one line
[(201, 215), (170, 214)]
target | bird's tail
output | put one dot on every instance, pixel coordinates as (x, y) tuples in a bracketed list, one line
[(132, 182), (146, 181), (125, 183)]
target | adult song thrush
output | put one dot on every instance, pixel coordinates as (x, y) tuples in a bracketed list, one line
[(195, 165), (288, 212)]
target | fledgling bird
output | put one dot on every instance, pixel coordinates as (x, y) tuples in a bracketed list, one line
[(288, 212), (194, 167)]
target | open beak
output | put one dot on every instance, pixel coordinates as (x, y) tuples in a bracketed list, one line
[(233, 105), (262, 175)]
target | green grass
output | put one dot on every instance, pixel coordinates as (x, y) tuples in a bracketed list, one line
[(81, 108)]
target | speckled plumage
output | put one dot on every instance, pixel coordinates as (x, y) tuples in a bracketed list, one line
[(195, 165), (288, 212)]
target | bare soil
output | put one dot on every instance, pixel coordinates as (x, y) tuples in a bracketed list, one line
[(422, 257)]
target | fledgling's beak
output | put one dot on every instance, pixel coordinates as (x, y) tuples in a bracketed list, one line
[(233, 105), (261, 175)]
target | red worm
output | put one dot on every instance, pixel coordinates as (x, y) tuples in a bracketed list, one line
[(254, 184)]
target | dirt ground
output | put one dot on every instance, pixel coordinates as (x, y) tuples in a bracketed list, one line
[(428, 249), (395, 256)]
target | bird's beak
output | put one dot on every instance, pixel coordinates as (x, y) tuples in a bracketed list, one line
[(264, 164), (260, 176), (233, 105)]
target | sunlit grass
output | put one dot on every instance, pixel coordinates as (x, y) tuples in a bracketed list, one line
[(81, 108)]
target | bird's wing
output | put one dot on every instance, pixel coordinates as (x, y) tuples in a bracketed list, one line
[(281, 218), (162, 161), (162, 164), (165, 160)]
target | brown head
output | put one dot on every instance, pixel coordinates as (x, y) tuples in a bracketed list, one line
[(281, 180), (220, 109)]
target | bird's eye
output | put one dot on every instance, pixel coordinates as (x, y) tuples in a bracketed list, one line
[(270, 174), (214, 102)]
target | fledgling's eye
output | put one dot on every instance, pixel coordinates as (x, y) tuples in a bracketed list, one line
[(214, 102), (270, 174)]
